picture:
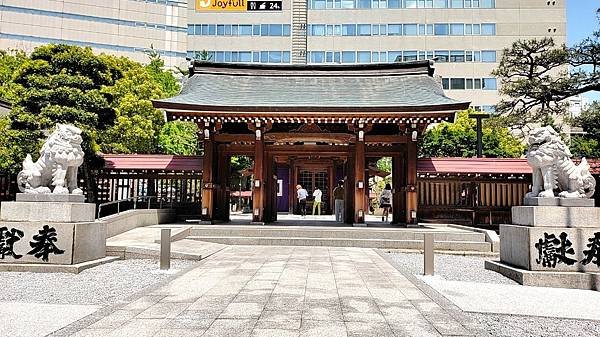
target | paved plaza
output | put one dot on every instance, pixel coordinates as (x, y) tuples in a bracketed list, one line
[(281, 291)]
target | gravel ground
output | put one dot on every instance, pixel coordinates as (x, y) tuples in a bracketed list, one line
[(525, 326), (453, 267), (102, 285), (471, 269)]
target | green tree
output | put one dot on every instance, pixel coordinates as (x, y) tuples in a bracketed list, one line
[(537, 77), (138, 123), (179, 138), (459, 139), (10, 61), (62, 84), (588, 145)]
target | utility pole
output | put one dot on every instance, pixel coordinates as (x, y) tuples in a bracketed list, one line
[(479, 117)]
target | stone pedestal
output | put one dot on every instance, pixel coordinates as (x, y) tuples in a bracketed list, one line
[(556, 246), (50, 230)]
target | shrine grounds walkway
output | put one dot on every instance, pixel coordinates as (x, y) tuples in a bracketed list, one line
[(282, 291)]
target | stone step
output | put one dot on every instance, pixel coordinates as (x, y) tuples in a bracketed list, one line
[(343, 242), (335, 233)]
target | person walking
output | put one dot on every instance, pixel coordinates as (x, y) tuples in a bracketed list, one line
[(302, 195), (318, 195), (338, 197), (385, 201)]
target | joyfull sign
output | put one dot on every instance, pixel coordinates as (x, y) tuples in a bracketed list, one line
[(238, 5)]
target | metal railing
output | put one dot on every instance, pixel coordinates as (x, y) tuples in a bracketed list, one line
[(135, 200)]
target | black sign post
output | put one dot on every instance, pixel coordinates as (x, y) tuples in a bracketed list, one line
[(264, 6)]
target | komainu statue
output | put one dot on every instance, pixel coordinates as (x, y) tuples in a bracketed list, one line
[(553, 169), (56, 169)]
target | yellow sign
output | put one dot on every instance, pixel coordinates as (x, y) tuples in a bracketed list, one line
[(221, 5)]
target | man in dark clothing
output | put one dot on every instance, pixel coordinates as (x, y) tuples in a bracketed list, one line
[(338, 197)]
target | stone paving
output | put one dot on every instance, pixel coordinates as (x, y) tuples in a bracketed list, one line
[(283, 291)]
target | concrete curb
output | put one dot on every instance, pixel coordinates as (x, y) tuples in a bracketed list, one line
[(490, 236), (55, 268)]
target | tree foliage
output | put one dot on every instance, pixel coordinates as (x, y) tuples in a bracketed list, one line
[(588, 145), (179, 138), (10, 61), (459, 139), (538, 75)]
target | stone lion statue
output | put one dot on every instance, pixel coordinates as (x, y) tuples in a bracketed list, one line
[(553, 169), (56, 169)]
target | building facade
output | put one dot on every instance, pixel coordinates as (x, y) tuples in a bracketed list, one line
[(466, 36), (120, 27)]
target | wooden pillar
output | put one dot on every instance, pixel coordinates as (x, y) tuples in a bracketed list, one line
[(411, 181), (398, 206), (360, 207), (258, 185), (222, 204), (350, 190), (208, 175)]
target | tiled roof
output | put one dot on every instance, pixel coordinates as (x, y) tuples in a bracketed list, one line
[(400, 85), (152, 162)]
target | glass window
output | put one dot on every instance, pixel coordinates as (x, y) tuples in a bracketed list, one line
[(429, 55), (421, 29), (275, 30), (429, 29), (410, 29), (375, 57), (317, 57), (348, 30), (467, 3), (440, 3), (348, 57), (489, 108), (363, 30), (264, 57), (363, 3), (256, 30), (286, 57), (476, 29), (329, 3), (364, 56), (488, 4), (488, 56), (442, 55), (337, 30), (457, 4), (441, 29), (255, 56), (274, 57), (318, 30), (234, 56), (234, 30), (408, 4), (227, 56), (457, 84), (468, 29), (383, 56), (329, 31), (212, 29), (204, 30), (394, 56), (477, 83), (375, 30), (337, 57), (191, 30), (329, 57), (337, 3), (264, 30), (227, 30), (445, 83), (245, 56), (425, 3), (245, 30), (318, 4), (220, 29), (394, 29), (220, 56), (476, 56), (475, 3), (347, 3), (409, 56), (488, 29), (422, 55), (457, 29), (469, 83), (286, 30), (489, 84), (457, 56), (394, 3), (469, 56), (382, 29)]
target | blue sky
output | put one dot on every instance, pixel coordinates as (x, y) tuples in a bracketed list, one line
[(581, 22)]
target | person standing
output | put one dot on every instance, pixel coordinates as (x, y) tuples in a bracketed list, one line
[(302, 195), (318, 195), (338, 197), (385, 201)]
